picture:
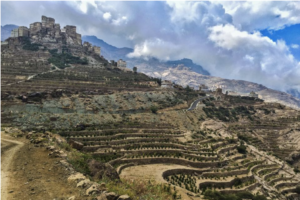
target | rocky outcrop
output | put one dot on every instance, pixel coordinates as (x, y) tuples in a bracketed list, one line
[(99, 170)]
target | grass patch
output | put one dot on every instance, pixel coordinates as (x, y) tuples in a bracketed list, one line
[(79, 161), (140, 189)]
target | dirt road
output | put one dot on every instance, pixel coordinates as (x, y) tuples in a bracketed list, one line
[(9, 147), (29, 173)]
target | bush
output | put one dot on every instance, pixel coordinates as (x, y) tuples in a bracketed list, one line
[(216, 195), (242, 149), (27, 45), (80, 161), (297, 190), (64, 59), (153, 109)]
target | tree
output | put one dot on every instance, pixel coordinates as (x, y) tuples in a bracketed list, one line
[(135, 69)]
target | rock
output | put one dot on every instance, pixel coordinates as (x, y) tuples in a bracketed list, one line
[(124, 197), (102, 197), (76, 177), (50, 148), (83, 183), (11, 191), (76, 145), (72, 198), (92, 190), (111, 196), (99, 170), (29, 135)]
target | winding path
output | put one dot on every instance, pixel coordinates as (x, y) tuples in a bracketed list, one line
[(194, 104), (8, 149)]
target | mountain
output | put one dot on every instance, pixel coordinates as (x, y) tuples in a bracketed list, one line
[(113, 53), (185, 72), (185, 76), (108, 51), (6, 29)]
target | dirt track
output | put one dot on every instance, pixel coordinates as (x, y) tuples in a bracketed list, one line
[(29, 173), (8, 149)]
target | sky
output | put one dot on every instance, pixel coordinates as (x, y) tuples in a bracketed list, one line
[(256, 41)]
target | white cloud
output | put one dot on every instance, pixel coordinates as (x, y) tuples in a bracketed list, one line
[(107, 16), (263, 60), (295, 46), (155, 48), (258, 15)]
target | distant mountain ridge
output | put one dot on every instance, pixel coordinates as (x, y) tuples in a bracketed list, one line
[(113, 53)]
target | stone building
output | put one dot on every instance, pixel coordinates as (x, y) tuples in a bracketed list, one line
[(253, 94), (21, 31), (35, 28), (96, 50), (50, 34), (166, 84), (48, 22), (121, 63)]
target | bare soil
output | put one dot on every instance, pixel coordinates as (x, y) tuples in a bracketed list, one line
[(154, 173)]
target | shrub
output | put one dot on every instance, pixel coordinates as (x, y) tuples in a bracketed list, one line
[(153, 109), (241, 149), (27, 45)]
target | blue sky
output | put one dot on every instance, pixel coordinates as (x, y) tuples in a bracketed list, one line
[(290, 34), (255, 41)]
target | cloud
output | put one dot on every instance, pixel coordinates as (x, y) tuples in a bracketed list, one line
[(107, 16), (295, 46), (155, 48), (258, 15)]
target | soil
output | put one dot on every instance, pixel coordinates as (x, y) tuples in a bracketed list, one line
[(29, 173), (154, 173)]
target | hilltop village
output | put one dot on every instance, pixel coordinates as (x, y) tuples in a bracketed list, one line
[(77, 126)]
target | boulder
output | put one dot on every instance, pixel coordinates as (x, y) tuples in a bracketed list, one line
[(72, 198), (99, 170), (102, 197), (92, 190), (124, 197), (84, 183), (76, 145), (111, 196), (76, 177)]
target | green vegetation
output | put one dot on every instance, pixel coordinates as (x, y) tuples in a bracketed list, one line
[(242, 149), (297, 190), (135, 70), (27, 45), (153, 109), (64, 59), (227, 114), (79, 161), (140, 189), (216, 195)]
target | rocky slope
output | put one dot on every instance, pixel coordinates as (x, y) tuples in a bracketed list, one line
[(184, 76)]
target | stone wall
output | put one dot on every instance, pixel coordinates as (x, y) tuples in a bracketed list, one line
[(218, 184), (182, 171), (148, 161)]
